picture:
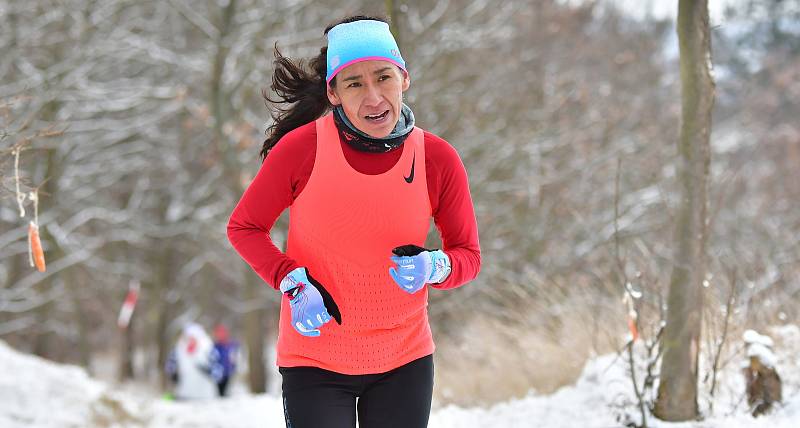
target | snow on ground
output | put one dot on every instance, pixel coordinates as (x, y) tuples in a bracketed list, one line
[(38, 393)]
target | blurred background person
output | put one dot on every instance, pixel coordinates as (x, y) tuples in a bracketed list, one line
[(227, 352), (194, 365)]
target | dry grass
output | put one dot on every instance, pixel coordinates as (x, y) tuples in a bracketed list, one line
[(490, 361)]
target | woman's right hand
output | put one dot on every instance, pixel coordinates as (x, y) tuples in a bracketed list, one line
[(312, 305)]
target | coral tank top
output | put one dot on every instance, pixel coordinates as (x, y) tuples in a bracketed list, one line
[(343, 227)]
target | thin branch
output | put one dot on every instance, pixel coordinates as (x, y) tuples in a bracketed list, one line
[(732, 278)]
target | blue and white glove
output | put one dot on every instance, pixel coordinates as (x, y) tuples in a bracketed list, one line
[(417, 266), (312, 305)]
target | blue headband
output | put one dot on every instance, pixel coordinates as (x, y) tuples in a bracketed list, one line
[(358, 41)]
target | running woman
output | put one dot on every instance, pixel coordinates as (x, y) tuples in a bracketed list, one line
[(354, 338)]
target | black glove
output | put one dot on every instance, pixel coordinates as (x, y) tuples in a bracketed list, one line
[(330, 305), (409, 250)]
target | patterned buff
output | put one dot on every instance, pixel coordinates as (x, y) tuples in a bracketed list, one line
[(363, 142)]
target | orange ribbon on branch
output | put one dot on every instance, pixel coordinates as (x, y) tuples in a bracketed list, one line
[(632, 327), (35, 252)]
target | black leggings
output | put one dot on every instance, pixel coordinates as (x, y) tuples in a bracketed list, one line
[(401, 398)]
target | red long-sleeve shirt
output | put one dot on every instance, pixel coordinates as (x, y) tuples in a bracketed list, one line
[(286, 170)]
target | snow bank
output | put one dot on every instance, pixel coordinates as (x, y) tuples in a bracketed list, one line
[(245, 411), (752, 336), (38, 393), (760, 347), (585, 404)]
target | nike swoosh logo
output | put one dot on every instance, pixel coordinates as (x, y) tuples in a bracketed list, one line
[(410, 178)]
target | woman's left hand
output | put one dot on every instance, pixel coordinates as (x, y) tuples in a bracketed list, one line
[(417, 266)]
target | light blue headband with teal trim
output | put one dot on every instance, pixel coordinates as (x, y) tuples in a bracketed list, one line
[(358, 41)]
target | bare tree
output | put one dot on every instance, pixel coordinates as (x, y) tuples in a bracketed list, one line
[(677, 391)]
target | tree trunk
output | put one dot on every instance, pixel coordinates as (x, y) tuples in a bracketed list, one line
[(393, 12), (677, 391), (81, 318), (160, 289), (255, 332), (126, 352), (45, 343), (222, 111), (163, 341)]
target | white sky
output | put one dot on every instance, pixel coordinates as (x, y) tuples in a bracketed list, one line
[(663, 8), (669, 8)]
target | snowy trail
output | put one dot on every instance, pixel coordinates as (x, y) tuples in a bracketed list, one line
[(38, 393)]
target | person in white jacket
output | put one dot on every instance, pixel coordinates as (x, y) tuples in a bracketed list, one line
[(194, 364)]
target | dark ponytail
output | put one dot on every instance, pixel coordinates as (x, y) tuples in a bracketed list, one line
[(299, 90), (302, 91)]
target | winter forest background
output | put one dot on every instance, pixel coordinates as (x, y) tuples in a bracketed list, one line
[(140, 124)]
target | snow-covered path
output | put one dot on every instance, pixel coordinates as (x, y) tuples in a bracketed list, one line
[(38, 393)]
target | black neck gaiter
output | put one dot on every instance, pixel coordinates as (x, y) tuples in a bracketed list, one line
[(363, 142)]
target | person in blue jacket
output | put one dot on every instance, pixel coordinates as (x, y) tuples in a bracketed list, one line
[(226, 353)]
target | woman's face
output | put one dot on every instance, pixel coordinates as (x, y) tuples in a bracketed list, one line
[(371, 93)]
